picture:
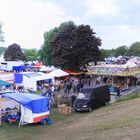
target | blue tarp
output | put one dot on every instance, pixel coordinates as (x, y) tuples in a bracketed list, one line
[(18, 68), (36, 103), (18, 78)]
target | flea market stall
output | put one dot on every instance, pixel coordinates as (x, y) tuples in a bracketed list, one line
[(116, 75), (47, 69), (30, 79), (34, 108), (57, 73)]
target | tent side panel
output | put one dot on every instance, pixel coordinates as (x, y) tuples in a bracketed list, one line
[(38, 117), (26, 115), (29, 83), (18, 78)]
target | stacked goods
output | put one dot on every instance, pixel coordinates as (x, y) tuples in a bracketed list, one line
[(63, 109)]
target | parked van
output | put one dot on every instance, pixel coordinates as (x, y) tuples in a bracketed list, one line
[(92, 97)]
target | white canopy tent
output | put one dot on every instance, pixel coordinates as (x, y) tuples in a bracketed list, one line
[(57, 73), (130, 64), (44, 68)]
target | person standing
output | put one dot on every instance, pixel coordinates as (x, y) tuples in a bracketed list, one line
[(49, 92), (118, 92), (73, 98)]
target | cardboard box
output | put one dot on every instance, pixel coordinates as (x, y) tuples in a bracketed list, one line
[(65, 110)]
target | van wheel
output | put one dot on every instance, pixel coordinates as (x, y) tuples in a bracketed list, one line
[(90, 109)]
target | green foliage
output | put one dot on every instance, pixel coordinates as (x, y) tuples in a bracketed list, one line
[(135, 49), (31, 54), (46, 50), (74, 46), (63, 45), (106, 53), (129, 97), (69, 46), (14, 53), (122, 50)]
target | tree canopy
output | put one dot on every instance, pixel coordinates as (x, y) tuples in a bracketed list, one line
[(74, 46), (31, 54), (122, 50), (46, 50), (135, 49), (14, 53)]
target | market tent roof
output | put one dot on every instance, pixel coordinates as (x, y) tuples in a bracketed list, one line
[(73, 72), (44, 68), (57, 73), (7, 76), (38, 76), (131, 64), (36, 103), (3, 83), (114, 74)]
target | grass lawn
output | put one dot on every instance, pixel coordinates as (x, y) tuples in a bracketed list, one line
[(134, 95), (12, 132), (105, 123)]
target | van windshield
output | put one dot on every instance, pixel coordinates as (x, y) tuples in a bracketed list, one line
[(84, 96)]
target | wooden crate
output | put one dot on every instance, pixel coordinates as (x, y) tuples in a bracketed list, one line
[(65, 110)]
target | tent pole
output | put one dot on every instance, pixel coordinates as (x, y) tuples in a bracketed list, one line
[(20, 118), (19, 123)]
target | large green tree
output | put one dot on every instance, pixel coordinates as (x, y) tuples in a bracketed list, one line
[(46, 50), (31, 54), (62, 46), (74, 46), (14, 53)]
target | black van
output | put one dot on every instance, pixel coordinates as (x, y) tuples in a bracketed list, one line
[(92, 97)]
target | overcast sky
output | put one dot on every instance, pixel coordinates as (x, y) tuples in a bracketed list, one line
[(116, 22)]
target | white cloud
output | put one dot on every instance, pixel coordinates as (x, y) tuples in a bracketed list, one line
[(26, 21), (114, 21), (118, 35), (102, 8)]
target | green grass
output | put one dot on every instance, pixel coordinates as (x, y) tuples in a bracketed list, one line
[(12, 132), (58, 117), (129, 97)]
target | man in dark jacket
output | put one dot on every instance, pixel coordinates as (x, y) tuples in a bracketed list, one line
[(73, 98)]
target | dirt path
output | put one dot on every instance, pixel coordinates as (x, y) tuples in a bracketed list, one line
[(115, 122)]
